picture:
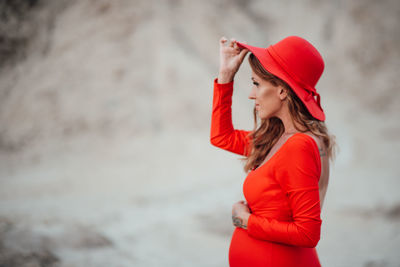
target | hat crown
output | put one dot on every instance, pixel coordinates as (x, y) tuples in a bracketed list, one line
[(299, 58)]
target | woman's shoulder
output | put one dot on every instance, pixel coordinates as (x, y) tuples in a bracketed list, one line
[(304, 137), (301, 142), (301, 150)]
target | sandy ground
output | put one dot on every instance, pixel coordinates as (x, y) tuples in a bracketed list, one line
[(105, 157), (97, 202)]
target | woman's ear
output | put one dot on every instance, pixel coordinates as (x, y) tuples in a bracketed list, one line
[(282, 92)]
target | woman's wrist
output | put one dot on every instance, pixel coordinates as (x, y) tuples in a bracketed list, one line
[(225, 77), (241, 220), (245, 217)]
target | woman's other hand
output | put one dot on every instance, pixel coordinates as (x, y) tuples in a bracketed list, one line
[(230, 59), (240, 214)]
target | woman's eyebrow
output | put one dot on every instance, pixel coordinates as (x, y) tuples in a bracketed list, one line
[(252, 78)]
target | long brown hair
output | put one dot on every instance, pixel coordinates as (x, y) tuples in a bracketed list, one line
[(270, 130)]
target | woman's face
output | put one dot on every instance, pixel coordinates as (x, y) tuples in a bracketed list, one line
[(268, 97)]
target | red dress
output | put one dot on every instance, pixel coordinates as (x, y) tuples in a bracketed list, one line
[(283, 195)]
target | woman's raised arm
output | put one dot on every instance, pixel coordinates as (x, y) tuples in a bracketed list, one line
[(223, 135)]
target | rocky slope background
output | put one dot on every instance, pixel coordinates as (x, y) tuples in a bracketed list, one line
[(105, 112)]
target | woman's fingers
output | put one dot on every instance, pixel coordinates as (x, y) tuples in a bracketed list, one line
[(222, 42), (232, 43), (235, 45), (243, 54)]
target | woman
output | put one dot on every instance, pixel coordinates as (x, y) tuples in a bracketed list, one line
[(287, 153)]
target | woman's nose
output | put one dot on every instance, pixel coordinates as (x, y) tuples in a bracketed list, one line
[(252, 95)]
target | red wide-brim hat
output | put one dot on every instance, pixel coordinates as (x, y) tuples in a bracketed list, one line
[(299, 64)]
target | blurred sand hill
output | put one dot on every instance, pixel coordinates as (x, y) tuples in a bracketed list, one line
[(105, 112)]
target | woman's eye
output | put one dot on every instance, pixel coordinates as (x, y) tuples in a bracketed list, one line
[(256, 84)]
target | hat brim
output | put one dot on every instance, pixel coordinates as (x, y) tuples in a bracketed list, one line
[(269, 63)]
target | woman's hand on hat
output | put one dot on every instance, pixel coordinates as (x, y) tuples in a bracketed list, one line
[(231, 57)]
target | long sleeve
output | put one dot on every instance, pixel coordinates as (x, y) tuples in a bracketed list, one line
[(223, 135), (298, 176)]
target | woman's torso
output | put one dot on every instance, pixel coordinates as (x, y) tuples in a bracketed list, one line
[(266, 198), (324, 178)]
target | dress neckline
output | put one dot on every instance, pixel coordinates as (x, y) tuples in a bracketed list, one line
[(280, 148)]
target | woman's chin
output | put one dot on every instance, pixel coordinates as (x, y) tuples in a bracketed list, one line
[(262, 116)]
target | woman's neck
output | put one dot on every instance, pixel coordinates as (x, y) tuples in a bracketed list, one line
[(291, 127)]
